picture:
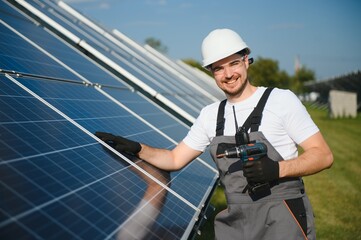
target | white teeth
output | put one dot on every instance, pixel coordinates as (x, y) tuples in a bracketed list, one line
[(232, 81)]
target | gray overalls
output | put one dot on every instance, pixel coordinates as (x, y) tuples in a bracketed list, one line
[(284, 214)]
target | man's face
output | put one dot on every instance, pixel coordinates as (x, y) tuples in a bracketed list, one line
[(230, 74)]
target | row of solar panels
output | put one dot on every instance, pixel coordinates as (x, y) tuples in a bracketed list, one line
[(64, 77), (350, 83)]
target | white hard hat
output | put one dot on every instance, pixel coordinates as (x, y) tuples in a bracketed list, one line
[(221, 43)]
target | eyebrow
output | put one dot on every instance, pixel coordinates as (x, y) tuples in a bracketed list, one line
[(228, 63)]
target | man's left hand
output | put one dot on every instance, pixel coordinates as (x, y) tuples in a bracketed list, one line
[(261, 170)]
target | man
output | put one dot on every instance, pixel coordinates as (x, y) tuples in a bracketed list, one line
[(266, 197)]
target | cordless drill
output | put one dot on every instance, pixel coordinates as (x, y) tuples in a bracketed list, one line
[(246, 152), (249, 152), (244, 149)]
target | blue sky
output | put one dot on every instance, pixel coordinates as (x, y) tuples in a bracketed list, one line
[(324, 34)]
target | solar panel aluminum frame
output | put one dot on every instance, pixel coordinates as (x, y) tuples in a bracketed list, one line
[(202, 79), (191, 107), (86, 81), (196, 216), (147, 50), (108, 63), (96, 87), (150, 59), (171, 65), (55, 35)]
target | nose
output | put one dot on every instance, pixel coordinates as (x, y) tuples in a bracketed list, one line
[(228, 72)]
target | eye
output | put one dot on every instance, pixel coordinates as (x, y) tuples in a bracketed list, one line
[(235, 63), (217, 69)]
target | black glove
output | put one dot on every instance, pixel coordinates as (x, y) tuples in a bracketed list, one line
[(261, 170), (119, 143)]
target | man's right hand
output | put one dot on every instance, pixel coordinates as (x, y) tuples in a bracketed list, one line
[(119, 143)]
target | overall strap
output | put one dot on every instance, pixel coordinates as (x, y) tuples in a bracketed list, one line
[(254, 119), (220, 118)]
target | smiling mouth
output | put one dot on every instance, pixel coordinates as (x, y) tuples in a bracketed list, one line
[(232, 81)]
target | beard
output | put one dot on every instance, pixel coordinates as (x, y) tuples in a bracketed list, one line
[(237, 91)]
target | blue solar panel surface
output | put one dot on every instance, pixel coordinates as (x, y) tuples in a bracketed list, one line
[(94, 111), (157, 78), (77, 63), (69, 190), (29, 59), (69, 160), (58, 180)]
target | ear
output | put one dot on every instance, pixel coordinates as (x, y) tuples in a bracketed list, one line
[(246, 61)]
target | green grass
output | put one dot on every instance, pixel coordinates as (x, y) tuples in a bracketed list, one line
[(335, 193)]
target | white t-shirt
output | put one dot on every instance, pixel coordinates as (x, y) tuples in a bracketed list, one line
[(285, 122)]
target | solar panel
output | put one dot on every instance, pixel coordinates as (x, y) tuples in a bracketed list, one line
[(187, 82), (135, 68), (58, 180), (51, 46), (79, 191), (199, 79)]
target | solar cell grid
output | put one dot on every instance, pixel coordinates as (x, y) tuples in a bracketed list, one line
[(58, 180), (90, 74), (50, 44), (18, 55), (93, 75), (97, 113), (111, 65), (123, 51), (61, 187), (145, 70), (144, 107), (201, 79), (83, 32), (150, 112), (195, 78)]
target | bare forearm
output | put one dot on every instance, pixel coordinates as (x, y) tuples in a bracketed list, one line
[(161, 158), (169, 160), (317, 156), (306, 164)]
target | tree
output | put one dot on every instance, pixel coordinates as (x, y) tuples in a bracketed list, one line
[(302, 76), (265, 72), (156, 44), (196, 64)]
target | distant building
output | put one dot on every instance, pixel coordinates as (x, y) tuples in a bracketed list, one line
[(342, 104), (349, 83)]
